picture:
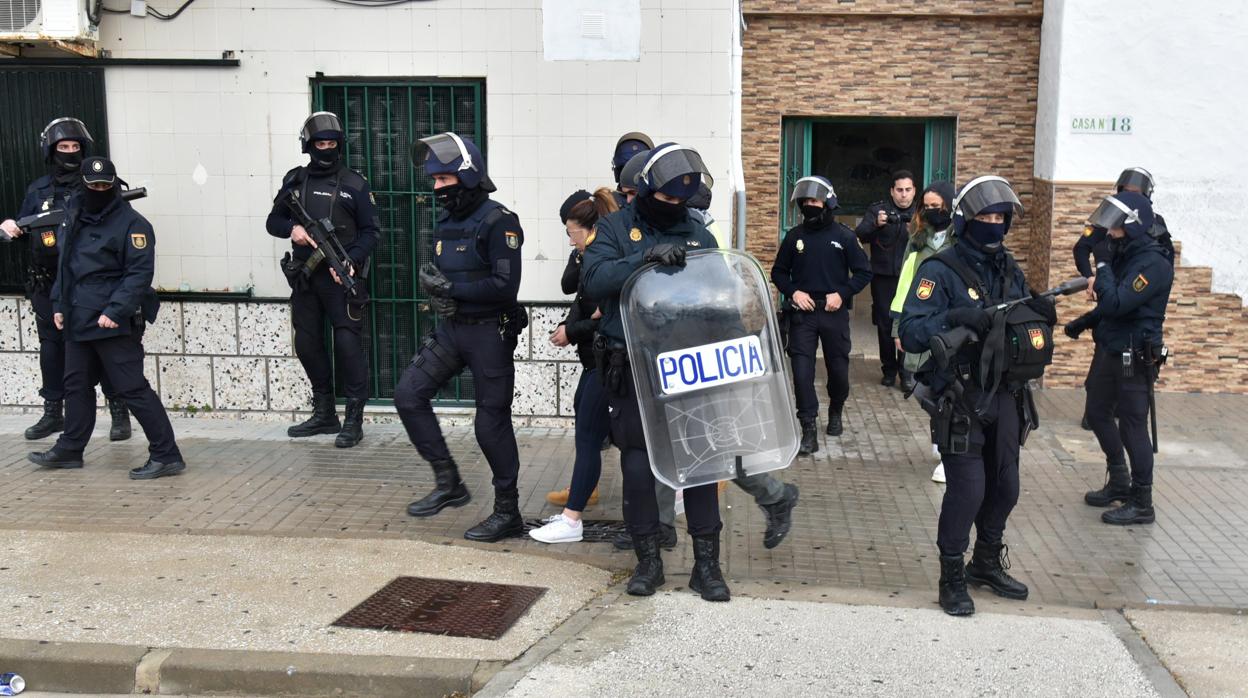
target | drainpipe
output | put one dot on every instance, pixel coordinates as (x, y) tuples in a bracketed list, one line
[(735, 160)]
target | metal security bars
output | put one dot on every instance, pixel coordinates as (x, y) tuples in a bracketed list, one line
[(382, 119)]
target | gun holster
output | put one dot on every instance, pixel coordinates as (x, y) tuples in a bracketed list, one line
[(294, 270), (512, 322), (1028, 415), (951, 426)]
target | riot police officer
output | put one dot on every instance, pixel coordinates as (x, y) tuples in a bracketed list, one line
[(657, 227), (885, 227), (327, 189), (629, 146), (65, 142), (102, 297), (980, 401), (819, 268), (626, 189), (1132, 289), (1094, 243), (472, 285)]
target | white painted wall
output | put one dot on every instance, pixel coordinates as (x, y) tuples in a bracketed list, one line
[(1176, 69), (551, 125)]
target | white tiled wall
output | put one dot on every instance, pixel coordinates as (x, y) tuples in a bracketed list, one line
[(551, 125)]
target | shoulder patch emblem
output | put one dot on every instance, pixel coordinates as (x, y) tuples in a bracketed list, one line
[(801, 246), (139, 240), (1037, 337), (635, 235), (437, 248), (1140, 283), (49, 238), (924, 291), (513, 239), (973, 294), (1087, 231)]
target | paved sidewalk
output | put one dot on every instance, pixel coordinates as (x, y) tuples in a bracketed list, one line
[(867, 516)]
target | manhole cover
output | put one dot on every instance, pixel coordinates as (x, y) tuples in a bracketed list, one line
[(443, 607), (592, 531)]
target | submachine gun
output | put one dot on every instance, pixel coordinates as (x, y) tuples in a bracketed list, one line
[(53, 218), (328, 246)]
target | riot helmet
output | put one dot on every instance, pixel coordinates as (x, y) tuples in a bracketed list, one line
[(632, 168), (987, 194), (1128, 210), (1137, 177), (450, 153), (629, 145), (818, 188), (321, 126), (674, 169), (65, 128)]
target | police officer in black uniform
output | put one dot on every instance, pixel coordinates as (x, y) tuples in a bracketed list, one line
[(981, 417), (327, 188), (1094, 242), (657, 227), (65, 142), (102, 297), (626, 148), (472, 286), (1132, 290), (819, 268), (886, 228)]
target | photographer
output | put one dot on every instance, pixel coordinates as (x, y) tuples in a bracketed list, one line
[(885, 228)]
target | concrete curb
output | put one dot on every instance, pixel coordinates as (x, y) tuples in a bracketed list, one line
[(102, 668), (1154, 670)]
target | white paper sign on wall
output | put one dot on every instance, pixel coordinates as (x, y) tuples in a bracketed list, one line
[(1117, 125), (591, 30)]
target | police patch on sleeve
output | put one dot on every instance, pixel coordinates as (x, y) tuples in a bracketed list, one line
[(138, 240), (924, 291), (513, 239), (1087, 231), (1140, 283)]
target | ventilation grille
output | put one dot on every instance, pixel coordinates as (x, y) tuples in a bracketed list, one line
[(16, 15)]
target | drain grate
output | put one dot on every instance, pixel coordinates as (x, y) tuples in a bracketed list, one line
[(443, 607), (592, 531)]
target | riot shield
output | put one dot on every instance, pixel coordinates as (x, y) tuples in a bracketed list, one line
[(711, 378)]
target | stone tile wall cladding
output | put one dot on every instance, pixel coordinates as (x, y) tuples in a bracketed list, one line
[(1207, 332), (237, 359)]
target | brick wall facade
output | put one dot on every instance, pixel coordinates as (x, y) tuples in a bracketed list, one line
[(994, 8)]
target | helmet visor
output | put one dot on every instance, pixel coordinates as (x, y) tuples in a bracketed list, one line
[(812, 188), (674, 162), (319, 122), (445, 148), (982, 192), (1112, 213), (65, 128), (1137, 178)]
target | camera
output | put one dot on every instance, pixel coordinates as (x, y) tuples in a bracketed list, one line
[(895, 217)]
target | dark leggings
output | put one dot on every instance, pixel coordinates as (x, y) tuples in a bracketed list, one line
[(593, 423)]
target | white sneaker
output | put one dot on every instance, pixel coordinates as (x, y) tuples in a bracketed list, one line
[(558, 529), (938, 475)]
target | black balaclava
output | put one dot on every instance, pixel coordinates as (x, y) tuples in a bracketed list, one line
[(94, 201), (816, 216), (324, 161), (989, 236), (660, 214), (458, 200), (65, 166)]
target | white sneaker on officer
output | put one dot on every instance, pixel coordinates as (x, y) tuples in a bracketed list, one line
[(938, 475), (558, 529)]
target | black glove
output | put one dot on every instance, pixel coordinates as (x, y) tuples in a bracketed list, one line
[(443, 306), (433, 281), (666, 254), (1075, 327), (977, 319), (1045, 307)]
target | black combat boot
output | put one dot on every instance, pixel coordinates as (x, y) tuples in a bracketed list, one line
[(505, 522), (352, 424), (324, 419), (834, 424), (810, 438), (52, 458), (988, 567), (907, 382), (667, 538), (52, 421), (1137, 510), (1117, 487), (153, 469), (779, 517), (448, 491), (707, 579), (648, 574), (954, 599), (1085, 424), (120, 429)]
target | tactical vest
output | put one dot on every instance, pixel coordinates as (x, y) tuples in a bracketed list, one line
[(460, 251), (323, 199)]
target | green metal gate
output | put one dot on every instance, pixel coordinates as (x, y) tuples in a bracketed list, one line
[(382, 119), (31, 97)]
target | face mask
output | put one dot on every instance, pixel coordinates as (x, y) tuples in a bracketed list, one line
[(813, 215), (985, 234), (660, 214), (937, 218), (67, 163), (326, 158), (95, 201), (448, 197)]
